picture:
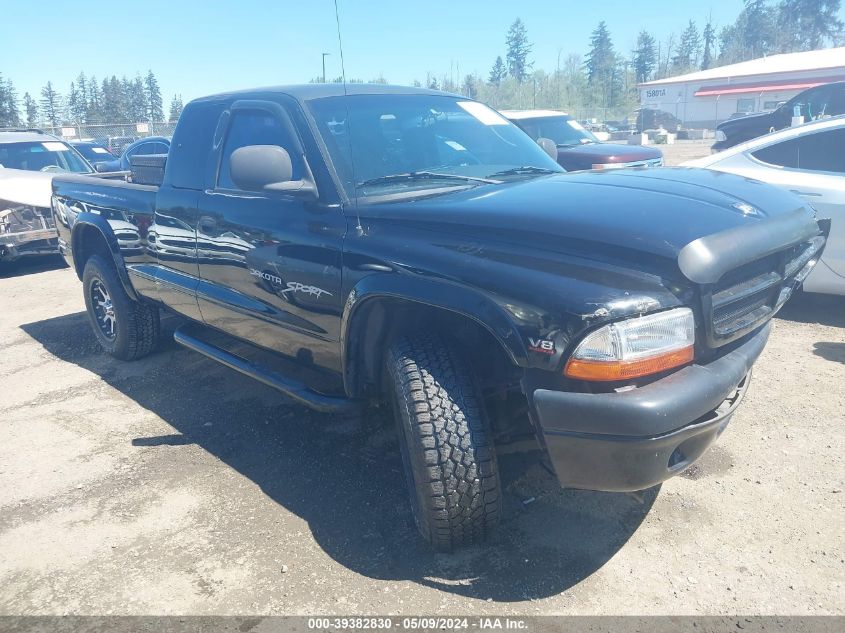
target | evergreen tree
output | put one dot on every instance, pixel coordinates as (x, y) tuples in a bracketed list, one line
[(51, 105), (498, 72), (689, 49), (152, 95), (601, 67), (805, 25), (76, 106), (136, 100), (754, 34), (9, 114), (82, 86), (645, 57), (94, 96), (31, 109), (175, 108), (518, 50), (709, 45)]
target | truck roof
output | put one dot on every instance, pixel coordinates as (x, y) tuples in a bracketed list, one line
[(306, 92)]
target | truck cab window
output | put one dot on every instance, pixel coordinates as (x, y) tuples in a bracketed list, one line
[(254, 128)]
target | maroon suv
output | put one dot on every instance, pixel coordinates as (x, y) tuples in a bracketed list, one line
[(577, 147)]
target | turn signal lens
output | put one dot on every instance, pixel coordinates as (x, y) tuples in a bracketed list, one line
[(635, 347)]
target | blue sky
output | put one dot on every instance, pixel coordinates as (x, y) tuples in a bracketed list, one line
[(198, 47)]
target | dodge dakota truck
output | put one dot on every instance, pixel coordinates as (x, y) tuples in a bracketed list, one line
[(372, 244)]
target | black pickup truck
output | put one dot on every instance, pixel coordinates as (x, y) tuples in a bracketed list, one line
[(414, 248)]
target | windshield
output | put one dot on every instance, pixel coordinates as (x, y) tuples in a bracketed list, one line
[(42, 156), (384, 144), (563, 130), (94, 153)]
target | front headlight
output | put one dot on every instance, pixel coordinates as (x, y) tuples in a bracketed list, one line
[(721, 136), (635, 347)]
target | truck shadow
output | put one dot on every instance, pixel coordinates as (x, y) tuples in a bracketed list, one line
[(347, 483), (809, 307), (31, 265)]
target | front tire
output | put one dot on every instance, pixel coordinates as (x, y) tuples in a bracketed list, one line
[(446, 442), (126, 329)]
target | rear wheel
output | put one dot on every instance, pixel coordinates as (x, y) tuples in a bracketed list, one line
[(124, 328), (445, 440)]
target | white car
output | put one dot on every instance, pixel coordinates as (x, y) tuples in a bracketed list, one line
[(808, 160)]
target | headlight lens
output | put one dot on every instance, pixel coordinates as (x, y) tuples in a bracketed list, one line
[(721, 136), (635, 347)]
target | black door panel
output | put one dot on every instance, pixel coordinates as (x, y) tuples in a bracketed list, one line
[(270, 259)]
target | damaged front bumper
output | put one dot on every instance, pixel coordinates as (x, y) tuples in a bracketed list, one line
[(26, 230), (633, 440)]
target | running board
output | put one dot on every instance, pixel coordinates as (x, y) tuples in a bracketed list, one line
[(291, 388)]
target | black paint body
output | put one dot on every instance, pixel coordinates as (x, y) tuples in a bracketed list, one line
[(549, 257)]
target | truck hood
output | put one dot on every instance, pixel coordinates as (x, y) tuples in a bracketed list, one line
[(758, 122), (32, 188), (622, 213)]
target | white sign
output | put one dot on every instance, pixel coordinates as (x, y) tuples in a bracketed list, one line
[(142, 128), (654, 93), (68, 131)]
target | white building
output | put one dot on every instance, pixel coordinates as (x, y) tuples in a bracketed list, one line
[(703, 99)]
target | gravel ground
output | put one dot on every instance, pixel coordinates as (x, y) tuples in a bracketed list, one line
[(173, 485)]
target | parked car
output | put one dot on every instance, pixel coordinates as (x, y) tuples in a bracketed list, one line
[(26, 224), (94, 153), (808, 160), (575, 147), (813, 103), (413, 248), (650, 119), (28, 159), (116, 144), (32, 150), (141, 147)]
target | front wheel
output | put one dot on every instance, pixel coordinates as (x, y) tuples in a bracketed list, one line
[(124, 328), (445, 440)]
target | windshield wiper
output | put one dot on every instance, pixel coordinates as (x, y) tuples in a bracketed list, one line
[(525, 169), (422, 175)]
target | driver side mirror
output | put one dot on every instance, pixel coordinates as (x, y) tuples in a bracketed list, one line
[(265, 168), (549, 146), (100, 168)]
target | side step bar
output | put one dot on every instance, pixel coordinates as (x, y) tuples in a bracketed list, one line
[(291, 388)]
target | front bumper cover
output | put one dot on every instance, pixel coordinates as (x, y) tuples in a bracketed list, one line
[(636, 439)]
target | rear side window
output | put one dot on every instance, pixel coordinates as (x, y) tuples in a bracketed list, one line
[(823, 151), (192, 145), (254, 127), (837, 100)]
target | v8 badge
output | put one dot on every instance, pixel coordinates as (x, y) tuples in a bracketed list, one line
[(541, 346)]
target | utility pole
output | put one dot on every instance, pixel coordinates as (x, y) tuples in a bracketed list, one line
[(324, 66)]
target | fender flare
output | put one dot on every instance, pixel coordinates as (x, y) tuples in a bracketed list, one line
[(86, 221), (431, 293)]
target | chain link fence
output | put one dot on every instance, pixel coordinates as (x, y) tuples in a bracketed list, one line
[(113, 136)]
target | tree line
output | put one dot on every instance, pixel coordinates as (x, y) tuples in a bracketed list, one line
[(87, 101), (602, 83)]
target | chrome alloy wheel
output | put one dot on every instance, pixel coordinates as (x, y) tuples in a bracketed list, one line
[(103, 309)]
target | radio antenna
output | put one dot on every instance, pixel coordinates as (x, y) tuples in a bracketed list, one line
[(358, 228)]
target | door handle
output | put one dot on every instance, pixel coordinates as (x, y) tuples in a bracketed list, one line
[(812, 194)]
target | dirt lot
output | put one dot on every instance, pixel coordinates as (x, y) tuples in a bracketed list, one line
[(174, 485)]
